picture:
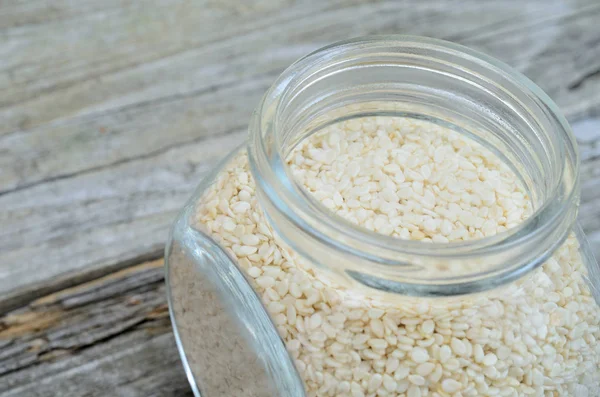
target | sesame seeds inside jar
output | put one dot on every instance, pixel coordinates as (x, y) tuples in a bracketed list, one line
[(401, 222), (411, 180)]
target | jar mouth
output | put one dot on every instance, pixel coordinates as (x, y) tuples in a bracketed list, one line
[(380, 72)]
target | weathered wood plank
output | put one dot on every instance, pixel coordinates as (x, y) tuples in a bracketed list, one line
[(111, 336), (125, 55), (121, 217), (150, 86), (588, 137), (101, 146)]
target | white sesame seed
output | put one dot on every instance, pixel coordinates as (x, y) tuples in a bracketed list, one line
[(428, 327), (391, 365), (538, 377), (265, 281), (229, 225), (377, 328), (250, 239), (244, 250), (503, 352), (425, 369), (276, 307), (451, 385), (389, 383), (375, 382), (378, 343), (413, 391), (291, 314), (315, 321), (478, 352), (490, 359), (417, 380), (419, 355), (458, 347), (430, 225), (445, 353), (401, 373), (240, 207), (254, 272)]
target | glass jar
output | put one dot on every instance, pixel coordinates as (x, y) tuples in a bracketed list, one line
[(506, 315)]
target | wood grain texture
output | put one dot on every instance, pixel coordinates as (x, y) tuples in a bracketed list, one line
[(111, 336), (113, 111), (588, 133)]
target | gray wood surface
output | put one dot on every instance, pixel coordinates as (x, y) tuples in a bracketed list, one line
[(109, 337), (113, 110)]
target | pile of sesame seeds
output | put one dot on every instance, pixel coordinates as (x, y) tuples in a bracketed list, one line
[(410, 179), (413, 180)]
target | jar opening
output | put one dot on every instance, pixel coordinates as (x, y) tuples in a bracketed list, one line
[(442, 83)]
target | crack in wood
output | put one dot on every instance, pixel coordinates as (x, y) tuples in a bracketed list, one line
[(64, 324), (23, 297), (581, 80), (161, 57), (122, 161)]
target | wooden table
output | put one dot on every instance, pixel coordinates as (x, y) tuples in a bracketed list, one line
[(112, 111)]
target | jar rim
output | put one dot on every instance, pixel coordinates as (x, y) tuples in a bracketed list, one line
[(557, 212)]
